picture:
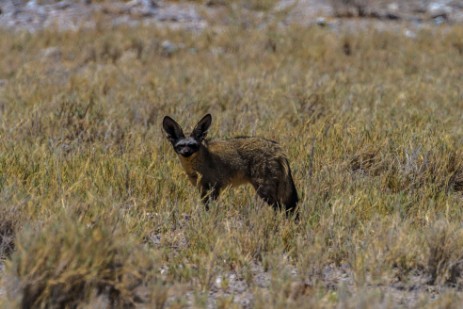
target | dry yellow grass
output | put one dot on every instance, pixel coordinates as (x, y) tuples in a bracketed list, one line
[(96, 211)]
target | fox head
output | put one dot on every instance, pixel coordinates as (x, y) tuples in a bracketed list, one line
[(186, 146)]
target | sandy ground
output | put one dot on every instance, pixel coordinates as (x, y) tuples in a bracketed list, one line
[(68, 15)]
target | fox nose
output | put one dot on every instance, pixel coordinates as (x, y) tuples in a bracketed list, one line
[(186, 152)]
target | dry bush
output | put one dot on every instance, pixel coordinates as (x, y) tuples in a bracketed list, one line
[(445, 261), (67, 264), (351, 8), (258, 5)]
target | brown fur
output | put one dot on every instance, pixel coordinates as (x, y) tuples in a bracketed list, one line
[(258, 161)]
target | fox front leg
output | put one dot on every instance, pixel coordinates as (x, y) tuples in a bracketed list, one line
[(209, 193)]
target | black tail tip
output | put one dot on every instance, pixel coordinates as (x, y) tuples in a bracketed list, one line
[(291, 205)]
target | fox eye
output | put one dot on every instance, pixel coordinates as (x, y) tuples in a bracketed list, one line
[(193, 147)]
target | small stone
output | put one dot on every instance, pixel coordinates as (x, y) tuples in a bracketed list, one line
[(218, 282), (168, 48), (393, 7), (439, 20), (409, 34), (51, 53), (321, 21)]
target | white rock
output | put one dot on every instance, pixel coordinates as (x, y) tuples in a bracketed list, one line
[(436, 9), (218, 282), (410, 34), (168, 48), (393, 7)]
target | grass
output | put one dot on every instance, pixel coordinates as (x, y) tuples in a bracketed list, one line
[(96, 210)]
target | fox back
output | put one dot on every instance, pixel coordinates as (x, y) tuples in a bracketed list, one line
[(216, 164)]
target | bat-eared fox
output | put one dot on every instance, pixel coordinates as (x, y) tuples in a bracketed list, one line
[(212, 165)]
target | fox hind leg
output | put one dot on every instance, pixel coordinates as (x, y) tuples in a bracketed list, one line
[(266, 191)]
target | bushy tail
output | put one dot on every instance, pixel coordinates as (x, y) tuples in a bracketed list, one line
[(287, 190)]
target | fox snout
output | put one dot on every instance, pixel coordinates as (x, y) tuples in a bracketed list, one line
[(186, 151), (186, 147)]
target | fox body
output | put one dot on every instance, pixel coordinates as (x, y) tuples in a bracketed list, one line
[(214, 165)]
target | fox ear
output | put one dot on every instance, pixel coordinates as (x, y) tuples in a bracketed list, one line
[(200, 131), (173, 130)]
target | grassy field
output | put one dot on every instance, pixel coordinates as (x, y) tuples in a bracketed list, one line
[(96, 210)]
